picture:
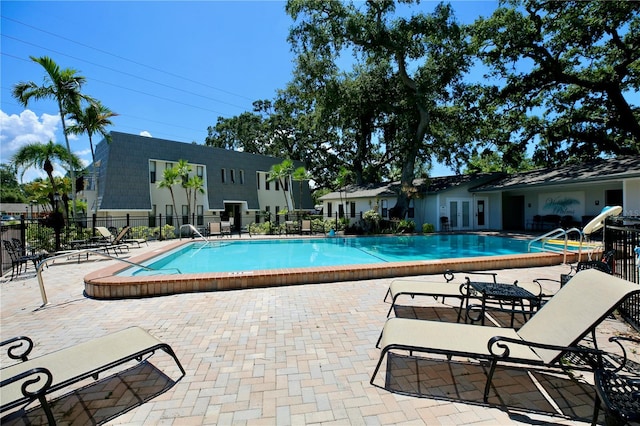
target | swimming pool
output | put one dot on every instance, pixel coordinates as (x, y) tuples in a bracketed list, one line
[(238, 256), (108, 283)]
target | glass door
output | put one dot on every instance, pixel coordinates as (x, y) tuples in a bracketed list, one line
[(481, 213), (460, 214)]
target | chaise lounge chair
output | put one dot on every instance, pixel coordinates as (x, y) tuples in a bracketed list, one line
[(121, 238), (574, 311), (305, 227), (413, 288), (35, 378)]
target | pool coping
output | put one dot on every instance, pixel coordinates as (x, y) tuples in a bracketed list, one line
[(104, 284)]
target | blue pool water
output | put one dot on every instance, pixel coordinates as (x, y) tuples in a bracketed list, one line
[(236, 256)]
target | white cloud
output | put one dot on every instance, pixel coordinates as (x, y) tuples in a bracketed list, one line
[(146, 134), (19, 130)]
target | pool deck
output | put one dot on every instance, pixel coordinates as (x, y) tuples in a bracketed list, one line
[(279, 355)]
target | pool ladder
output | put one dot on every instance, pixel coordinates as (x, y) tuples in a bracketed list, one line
[(557, 234)]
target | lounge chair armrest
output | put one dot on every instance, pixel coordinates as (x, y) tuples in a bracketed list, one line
[(498, 347), (617, 340), (31, 378), (536, 291), (449, 275), (21, 343)]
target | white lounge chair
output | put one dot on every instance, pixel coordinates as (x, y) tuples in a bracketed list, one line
[(35, 378), (557, 328)]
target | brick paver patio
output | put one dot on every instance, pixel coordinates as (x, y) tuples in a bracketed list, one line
[(278, 356)]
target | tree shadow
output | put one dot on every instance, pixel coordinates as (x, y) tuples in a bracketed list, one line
[(100, 401)]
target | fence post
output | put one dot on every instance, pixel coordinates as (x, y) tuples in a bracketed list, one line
[(23, 233), (160, 227), (128, 223)]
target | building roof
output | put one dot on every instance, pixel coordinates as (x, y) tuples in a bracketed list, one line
[(598, 170), (424, 185), (124, 171)]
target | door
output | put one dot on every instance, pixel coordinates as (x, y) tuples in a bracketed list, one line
[(460, 218), (482, 205)]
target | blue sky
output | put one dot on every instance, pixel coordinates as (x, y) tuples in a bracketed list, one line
[(169, 69)]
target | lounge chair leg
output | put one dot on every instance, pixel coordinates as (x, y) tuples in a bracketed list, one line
[(487, 386), (171, 353), (379, 339), (375, 372), (596, 410), (393, 304), (47, 410)]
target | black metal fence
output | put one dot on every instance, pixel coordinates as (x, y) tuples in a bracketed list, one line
[(623, 236), (39, 236)]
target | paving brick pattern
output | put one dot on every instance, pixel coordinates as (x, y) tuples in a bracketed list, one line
[(278, 356)]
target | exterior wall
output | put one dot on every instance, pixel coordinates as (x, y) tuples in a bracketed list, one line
[(362, 205), (631, 201), (579, 201), (230, 179), (271, 200)]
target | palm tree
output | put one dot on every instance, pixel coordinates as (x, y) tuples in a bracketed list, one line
[(183, 169), (93, 119), (300, 174), (62, 85), (170, 177), (196, 184), (42, 156), (280, 173)]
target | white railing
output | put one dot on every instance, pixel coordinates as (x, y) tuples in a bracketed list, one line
[(557, 234), (195, 231)]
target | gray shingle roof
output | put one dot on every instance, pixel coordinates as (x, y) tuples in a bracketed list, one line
[(433, 185), (124, 171), (599, 170)]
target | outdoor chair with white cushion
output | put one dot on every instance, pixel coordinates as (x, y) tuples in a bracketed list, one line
[(555, 330), (35, 378)]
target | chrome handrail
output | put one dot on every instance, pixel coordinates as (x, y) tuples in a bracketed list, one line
[(557, 233), (68, 254), (193, 228)]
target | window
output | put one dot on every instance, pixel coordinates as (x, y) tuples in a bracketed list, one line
[(411, 212), (185, 213), (168, 166), (329, 209), (152, 216), (200, 172), (233, 176), (352, 209), (258, 179), (241, 177), (286, 184), (169, 213), (385, 209), (223, 175), (277, 184), (266, 182), (340, 210), (200, 215), (152, 171), (267, 209)]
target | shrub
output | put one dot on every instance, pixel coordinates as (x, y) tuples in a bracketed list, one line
[(428, 228), (406, 227)]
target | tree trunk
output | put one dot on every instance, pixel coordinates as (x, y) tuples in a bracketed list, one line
[(411, 152)]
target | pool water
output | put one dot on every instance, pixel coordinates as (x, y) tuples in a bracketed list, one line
[(242, 256)]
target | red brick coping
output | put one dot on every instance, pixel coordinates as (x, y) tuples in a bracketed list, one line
[(105, 284)]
